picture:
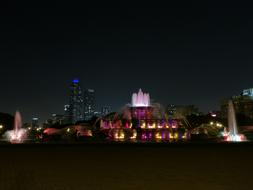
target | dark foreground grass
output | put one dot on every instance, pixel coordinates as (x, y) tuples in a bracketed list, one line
[(116, 167)]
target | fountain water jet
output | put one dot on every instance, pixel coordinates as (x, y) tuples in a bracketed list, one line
[(141, 99), (232, 133), (17, 135)]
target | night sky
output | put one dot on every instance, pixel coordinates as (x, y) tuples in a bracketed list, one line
[(179, 53)]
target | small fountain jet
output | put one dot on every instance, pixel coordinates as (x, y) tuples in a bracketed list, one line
[(232, 134), (17, 135)]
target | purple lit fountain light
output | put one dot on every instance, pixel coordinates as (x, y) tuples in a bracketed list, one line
[(17, 135)]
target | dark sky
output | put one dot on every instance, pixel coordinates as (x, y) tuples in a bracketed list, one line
[(179, 53)]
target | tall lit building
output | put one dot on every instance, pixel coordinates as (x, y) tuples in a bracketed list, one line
[(89, 103), (105, 110), (67, 114), (76, 103), (35, 122)]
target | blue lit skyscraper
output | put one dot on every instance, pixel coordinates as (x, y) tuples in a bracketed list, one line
[(76, 102)]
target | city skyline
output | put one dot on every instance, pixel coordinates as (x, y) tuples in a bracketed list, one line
[(194, 54), (99, 108)]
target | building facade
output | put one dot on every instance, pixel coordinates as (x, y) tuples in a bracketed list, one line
[(67, 114), (89, 104), (76, 103), (35, 122), (105, 110)]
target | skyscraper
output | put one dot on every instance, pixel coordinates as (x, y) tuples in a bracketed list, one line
[(89, 103), (35, 122), (67, 114), (105, 110), (76, 102)]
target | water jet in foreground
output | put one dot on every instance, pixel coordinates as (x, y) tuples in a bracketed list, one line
[(18, 134), (232, 134)]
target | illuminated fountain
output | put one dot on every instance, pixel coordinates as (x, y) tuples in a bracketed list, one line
[(142, 121), (17, 135), (141, 99), (141, 107), (232, 133)]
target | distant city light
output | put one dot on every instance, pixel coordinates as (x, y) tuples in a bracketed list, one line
[(248, 92), (1, 126), (91, 90), (218, 125)]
